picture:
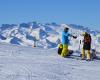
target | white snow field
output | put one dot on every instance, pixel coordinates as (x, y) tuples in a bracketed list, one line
[(26, 63)]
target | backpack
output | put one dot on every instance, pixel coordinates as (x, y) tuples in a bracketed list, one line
[(60, 49), (87, 38)]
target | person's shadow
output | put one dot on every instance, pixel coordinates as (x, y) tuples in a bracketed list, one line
[(97, 57), (94, 55)]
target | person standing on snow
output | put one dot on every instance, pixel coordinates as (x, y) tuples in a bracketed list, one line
[(86, 46), (65, 42)]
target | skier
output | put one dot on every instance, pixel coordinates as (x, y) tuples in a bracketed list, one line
[(86, 46), (65, 42)]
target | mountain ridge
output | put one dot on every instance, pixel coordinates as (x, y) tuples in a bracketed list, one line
[(46, 35)]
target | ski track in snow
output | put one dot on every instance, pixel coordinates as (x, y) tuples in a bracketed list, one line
[(26, 63)]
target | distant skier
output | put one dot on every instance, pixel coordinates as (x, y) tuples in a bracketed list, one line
[(65, 42), (86, 46)]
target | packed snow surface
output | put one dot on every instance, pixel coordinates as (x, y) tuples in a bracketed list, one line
[(27, 63)]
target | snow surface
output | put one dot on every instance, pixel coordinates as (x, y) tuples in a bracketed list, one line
[(27, 63)]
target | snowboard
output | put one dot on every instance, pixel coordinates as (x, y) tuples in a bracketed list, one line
[(70, 53), (72, 56)]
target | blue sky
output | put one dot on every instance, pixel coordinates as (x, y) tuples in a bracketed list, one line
[(81, 12)]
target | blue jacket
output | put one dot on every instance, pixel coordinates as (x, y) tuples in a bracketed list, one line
[(65, 36)]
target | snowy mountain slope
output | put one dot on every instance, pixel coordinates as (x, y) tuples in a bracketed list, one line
[(26, 63), (46, 35)]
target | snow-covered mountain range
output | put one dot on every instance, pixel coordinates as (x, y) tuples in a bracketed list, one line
[(46, 35)]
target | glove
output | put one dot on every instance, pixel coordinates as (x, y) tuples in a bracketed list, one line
[(75, 37)]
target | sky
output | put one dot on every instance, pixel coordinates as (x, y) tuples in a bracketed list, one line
[(80, 12)]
